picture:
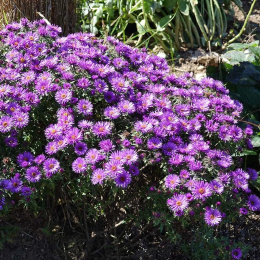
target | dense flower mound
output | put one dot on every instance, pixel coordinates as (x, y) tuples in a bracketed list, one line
[(106, 110)]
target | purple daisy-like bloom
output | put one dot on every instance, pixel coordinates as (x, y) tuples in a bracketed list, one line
[(92, 156), (253, 174), (253, 203), (102, 128), (33, 174), (53, 131), (79, 165), (28, 77), (216, 186), (154, 143), (176, 159), (172, 181), (143, 126), (109, 96), (80, 148), (212, 217), (184, 174), (51, 148), (63, 96), (25, 159), (178, 202), (74, 135), (51, 165), (6, 124), (106, 145), (83, 83), (133, 170), (243, 211), (130, 156), (112, 112), (201, 190), (119, 84), (39, 159), (85, 107), (113, 168), (123, 179), (98, 176), (14, 184), (236, 253), (126, 106), (11, 141)]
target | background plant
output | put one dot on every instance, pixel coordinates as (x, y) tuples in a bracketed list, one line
[(171, 24)]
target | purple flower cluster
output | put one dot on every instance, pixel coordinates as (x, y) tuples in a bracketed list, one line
[(112, 110)]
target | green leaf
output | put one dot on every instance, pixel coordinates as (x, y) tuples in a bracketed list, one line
[(238, 3), (170, 4), (184, 7), (163, 22), (256, 141), (249, 96), (141, 26)]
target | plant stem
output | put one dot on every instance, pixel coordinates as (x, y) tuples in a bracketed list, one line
[(243, 28)]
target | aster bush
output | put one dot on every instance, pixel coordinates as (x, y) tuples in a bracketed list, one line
[(97, 127)]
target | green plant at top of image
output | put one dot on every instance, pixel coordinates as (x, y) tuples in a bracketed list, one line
[(172, 24)]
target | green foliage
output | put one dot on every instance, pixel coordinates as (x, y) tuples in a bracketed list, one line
[(169, 23), (240, 71)]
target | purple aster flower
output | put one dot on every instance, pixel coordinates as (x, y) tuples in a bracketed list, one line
[(253, 174), (74, 135), (201, 104), (178, 202), (92, 156), (83, 83), (39, 159), (80, 148), (102, 128), (217, 186), (143, 126), (51, 148), (33, 174), (14, 184), (119, 84), (109, 96), (6, 124), (98, 176), (236, 253), (84, 124), (176, 159), (63, 96), (201, 190), (79, 165), (248, 131), (26, 191), (61, 142), (172, 181), (154, 143), (123, 179), (53, 131), (243, 211), (133, 170), (253, 203), (27, 78), (184, 174), (212, 217), (112, 112), (126, 106), (113, 168), (85, 107), (51, 165), (11, 141), (25, 159), (236, 133), (130, 156), (106, 145)]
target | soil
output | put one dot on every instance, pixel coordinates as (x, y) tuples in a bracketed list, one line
[(29, 240), (196, 61)]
